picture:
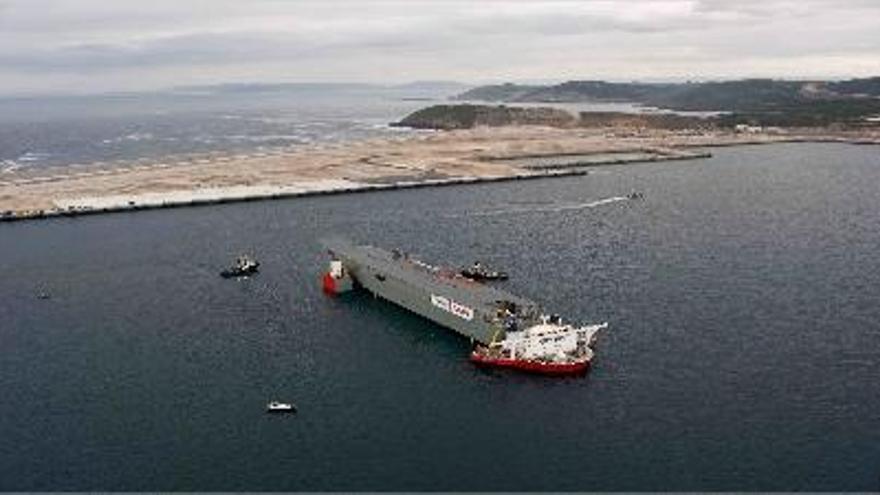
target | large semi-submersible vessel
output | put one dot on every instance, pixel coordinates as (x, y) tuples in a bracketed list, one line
[(507, 330)]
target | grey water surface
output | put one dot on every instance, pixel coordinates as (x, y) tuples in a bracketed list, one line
[(742, 354), (36, 133)]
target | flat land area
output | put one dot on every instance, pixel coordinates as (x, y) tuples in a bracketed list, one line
[(482, 153)]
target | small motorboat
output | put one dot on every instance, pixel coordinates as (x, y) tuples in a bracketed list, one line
[(280, 407), (635, 195), (478, 273), (244, 266)]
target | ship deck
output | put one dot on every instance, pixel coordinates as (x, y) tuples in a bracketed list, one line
[(442, 280)]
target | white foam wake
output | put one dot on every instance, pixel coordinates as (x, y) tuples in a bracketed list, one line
[(550, 209)]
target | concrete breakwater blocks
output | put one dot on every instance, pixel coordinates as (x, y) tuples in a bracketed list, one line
[(70, 207), (204, 196), (247, 193)]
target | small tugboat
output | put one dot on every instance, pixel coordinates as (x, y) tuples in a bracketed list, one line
[(478, 273), (549, 348), (244, 266), (280, 407), (635, 195)]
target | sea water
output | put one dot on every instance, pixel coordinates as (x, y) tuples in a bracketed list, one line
[(742, 353)]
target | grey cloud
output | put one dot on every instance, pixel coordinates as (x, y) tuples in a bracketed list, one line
[(50, 42), (191, 49), (760, 10)]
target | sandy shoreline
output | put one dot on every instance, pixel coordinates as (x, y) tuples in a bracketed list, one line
[(421, 160)]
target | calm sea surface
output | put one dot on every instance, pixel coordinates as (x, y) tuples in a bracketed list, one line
[(743, 352)]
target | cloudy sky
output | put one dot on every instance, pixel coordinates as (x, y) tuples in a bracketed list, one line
[(99, 45)]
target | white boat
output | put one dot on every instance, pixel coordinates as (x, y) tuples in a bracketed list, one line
[(280, 407)]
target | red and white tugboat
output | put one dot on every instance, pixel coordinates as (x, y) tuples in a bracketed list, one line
[(549, 348)]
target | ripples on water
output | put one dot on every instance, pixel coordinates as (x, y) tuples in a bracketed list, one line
[(71, 130), (742, 353)]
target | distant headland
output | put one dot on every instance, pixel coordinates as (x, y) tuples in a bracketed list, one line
[(450, 117), (468, 116), (764, 102), (502, 140)]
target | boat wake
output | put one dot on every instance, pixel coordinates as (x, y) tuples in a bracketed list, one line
[(549, 209)]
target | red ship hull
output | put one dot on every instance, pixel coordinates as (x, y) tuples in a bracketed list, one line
[(328, 283), (530, 366)]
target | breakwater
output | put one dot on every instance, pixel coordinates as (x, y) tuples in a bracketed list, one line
[(527, 167), (210, 196), (454, 158)]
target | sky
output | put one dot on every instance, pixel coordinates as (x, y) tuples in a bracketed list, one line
[(85, 46)]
